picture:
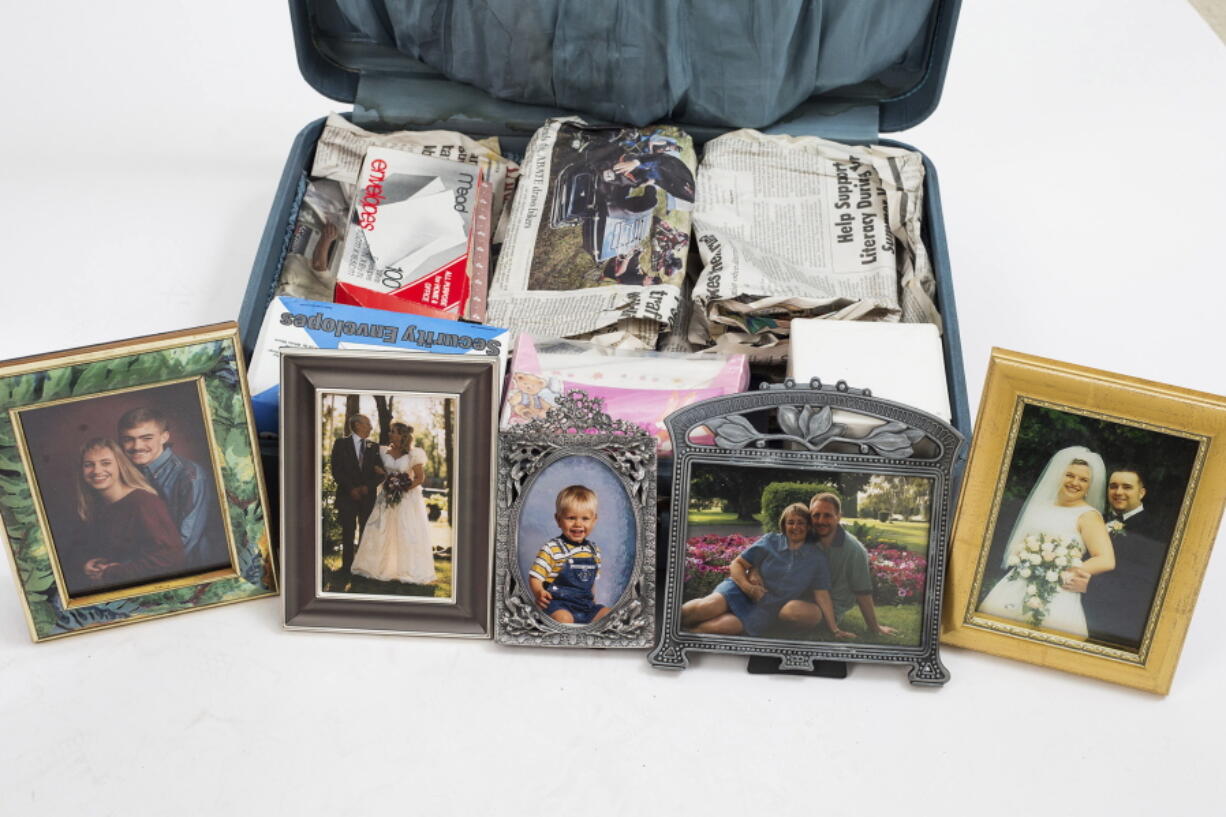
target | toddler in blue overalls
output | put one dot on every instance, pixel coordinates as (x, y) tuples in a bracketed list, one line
[(566, 568)]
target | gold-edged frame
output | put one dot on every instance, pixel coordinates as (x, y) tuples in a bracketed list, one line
[(1015, 381), (87, 599), (202, 355)]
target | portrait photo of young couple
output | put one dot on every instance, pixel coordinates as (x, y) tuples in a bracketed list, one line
[(129, 488), (386, 495), (803, 555), (1085, 525)]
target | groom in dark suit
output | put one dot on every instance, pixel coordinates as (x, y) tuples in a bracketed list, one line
[(1117, 603), (354, 460)]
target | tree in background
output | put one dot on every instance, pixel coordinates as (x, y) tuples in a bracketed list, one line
[(383, 407), (437, 461), (739, 488), (850, 486), (889, 495)]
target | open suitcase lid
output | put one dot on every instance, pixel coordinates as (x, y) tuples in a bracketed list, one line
[(842, 69)]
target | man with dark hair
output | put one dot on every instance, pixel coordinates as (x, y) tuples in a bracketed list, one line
[(851, 583), (1125, 491), (355, 460), (1117, 603), (187, 488)]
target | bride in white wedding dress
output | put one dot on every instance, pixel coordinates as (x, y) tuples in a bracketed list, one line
[(396, 544), (1064, 503)]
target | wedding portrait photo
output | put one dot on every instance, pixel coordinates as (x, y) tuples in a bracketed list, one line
[(129, 487), (576, 541), (1084, 527), (792, 554), (387, 491)]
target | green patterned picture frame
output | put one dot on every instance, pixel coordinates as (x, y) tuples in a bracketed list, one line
[(41, 528)]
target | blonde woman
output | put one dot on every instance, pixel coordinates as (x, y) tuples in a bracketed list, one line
[(129, 535), (396, 544), (1066, 505)]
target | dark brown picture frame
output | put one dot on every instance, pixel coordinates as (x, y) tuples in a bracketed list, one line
[(305, 373)]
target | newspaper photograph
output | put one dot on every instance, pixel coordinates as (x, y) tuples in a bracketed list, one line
[(793, 227), (598, 234)]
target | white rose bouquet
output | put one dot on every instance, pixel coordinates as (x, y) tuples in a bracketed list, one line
[(1039, 562)]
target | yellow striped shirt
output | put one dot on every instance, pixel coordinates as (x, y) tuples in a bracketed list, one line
[(556, 553)]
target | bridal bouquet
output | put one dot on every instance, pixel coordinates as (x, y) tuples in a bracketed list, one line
[(394, 487), (1039, 562)]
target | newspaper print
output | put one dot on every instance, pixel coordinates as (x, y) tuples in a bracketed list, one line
[(598, 235), (803, 227)]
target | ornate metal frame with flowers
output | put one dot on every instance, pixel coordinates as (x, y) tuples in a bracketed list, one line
[(576, 426), (797, 428)]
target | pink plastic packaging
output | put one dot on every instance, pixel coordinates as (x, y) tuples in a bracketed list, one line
[(639, 386)]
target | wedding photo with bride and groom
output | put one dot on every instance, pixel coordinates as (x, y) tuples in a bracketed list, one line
[(386, 495), (1088, 517)]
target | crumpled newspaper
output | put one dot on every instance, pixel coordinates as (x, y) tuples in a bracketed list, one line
[(793, 227)]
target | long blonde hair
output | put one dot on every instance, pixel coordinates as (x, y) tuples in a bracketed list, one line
[(129, 476), (406, 433)]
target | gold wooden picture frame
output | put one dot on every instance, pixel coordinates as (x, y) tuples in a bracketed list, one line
[(1090, 505), (131, 483)]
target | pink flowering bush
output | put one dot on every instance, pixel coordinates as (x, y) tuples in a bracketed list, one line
[(898, 575), (707, 559)]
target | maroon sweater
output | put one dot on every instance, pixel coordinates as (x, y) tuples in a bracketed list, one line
[(138, 534)]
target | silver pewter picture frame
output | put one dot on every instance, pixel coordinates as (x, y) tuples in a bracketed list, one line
[(387, 493), (809, 523), (576, 555)]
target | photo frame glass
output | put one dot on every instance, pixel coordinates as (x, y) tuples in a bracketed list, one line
[(578, 498), (1072, 480), (165, 449), (762, 519), (390, 492)]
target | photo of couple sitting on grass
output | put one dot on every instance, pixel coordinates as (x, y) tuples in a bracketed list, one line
[(836, 557)]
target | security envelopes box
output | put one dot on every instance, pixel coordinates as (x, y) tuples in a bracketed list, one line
[(300, 324)]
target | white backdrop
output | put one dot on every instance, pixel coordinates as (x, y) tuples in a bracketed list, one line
[(1082, 197)]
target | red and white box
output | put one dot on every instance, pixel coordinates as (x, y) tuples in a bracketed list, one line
[(418, 237)]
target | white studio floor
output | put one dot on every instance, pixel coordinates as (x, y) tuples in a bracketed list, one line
[(1081, 177)]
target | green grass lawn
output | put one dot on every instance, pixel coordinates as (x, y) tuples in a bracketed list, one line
[(719, 518), (906, 618), (912, 536), (335, 581)]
